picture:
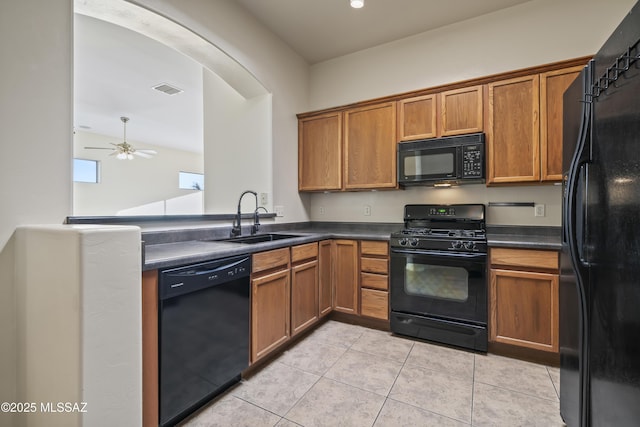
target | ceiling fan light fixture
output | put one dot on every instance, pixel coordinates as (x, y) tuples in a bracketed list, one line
[(357, 4), (124, 150)]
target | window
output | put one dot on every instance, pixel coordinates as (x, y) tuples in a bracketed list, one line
[(86, 171), (191, 181)]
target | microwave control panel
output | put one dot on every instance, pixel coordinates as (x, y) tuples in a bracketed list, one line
[(473, 161)]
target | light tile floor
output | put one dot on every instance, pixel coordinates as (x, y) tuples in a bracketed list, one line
[(346, 375)]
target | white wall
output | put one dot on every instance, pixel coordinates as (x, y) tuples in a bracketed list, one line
[(533, 33), (237, 146), (80, 323), (36, 44), (274, 64), (127, 184), (35, 138)]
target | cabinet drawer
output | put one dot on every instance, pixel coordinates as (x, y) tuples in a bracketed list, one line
[(376, 281), (368, 247), (263, 261), (302, 252), (375, 304), (374, 265), (525, 258)]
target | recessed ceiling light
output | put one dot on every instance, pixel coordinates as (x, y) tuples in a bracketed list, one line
[(357, 4), (168, 89)]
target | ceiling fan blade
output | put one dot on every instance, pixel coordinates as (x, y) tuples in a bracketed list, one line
[(98, 148), (145, 155), (147, 151)]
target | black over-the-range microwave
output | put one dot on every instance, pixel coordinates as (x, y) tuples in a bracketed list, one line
[(449, 160)]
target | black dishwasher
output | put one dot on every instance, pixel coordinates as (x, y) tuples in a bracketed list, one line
[(203, 333)]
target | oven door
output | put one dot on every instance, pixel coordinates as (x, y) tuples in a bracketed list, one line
[(445, 285)]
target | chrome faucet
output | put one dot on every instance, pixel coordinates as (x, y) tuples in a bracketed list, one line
[(256, 219), (236, 230)]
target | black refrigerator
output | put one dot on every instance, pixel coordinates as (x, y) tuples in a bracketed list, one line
[(600, 262)]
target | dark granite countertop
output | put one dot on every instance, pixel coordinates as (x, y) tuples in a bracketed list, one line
[(182, 247), (525, 237)]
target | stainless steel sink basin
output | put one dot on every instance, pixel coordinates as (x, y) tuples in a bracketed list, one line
[(259, 238)]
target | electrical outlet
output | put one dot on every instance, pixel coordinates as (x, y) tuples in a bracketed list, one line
[(264, 199), (279, 210), (539, 210), (321, 209), (367, 210)]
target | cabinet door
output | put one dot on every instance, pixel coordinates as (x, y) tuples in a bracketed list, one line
[(461, 111), (370, 147), (552, 87), (269, 312), (320, 152), (346, 276), (417, 118), (524, 309), (375, 303), (304, 296), (325, 278), (513, 133), (150, 368)]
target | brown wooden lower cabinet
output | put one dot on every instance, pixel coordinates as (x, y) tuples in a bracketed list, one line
[(374, 303), (150, 356), (325, 277), (524, 298), (269, 312), (304, 287), (346, 276), (374, 279)]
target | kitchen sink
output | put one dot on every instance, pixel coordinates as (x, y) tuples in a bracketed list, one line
[(259, 238)]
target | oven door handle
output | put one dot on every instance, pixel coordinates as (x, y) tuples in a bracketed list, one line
[(469, 256)]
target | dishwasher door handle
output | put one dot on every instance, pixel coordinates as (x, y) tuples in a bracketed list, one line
[(184, 280), (195, 272)]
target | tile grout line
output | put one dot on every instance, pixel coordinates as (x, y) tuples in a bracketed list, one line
[(520, 392), (556, 388), (318, 380), (386, 398)]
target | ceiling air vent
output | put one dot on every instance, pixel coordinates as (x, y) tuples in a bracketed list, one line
[(167, 88)]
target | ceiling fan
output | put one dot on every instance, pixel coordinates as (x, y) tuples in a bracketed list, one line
[(124, 150)]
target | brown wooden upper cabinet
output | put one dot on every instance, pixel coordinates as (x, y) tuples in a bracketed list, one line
[(513, 131), (452, 112), (417, 118), (552, 87), (353, 149), (370, 147), (320, 152), (524, 127)]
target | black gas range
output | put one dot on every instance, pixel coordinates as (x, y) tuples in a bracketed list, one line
[(438, 279), (449, 228)]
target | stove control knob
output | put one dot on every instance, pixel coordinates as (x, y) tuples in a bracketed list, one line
[(456, 244), (413, 242), (403, 242), (470, 245)]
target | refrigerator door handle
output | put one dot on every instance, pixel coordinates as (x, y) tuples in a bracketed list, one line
[(578, 167)]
